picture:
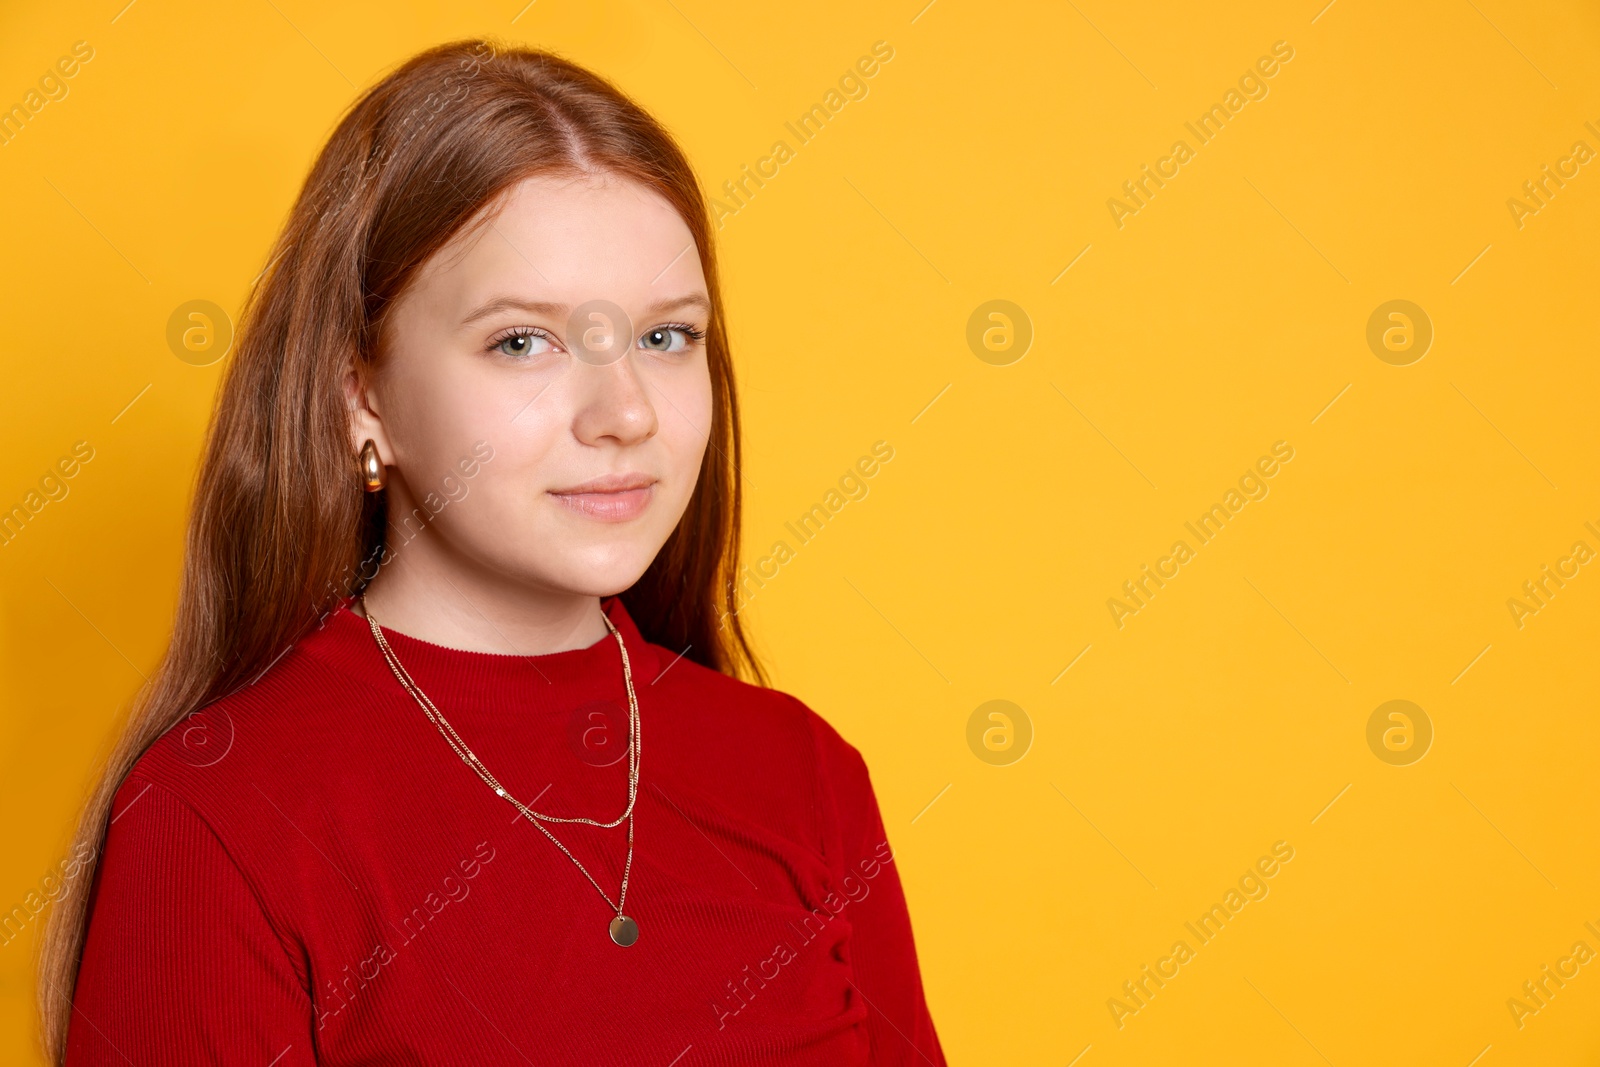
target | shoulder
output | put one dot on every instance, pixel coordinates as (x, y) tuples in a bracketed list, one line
[(235, 795), (267, 733), (765, 719), (157, 849), (155, 839), (169, 902), (770, 737)]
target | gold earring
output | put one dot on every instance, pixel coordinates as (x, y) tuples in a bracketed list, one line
[(373, 474)]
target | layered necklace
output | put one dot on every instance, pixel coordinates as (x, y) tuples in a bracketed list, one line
[(623, 929)]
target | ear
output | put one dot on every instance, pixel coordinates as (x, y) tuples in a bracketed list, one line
[(366, 424)]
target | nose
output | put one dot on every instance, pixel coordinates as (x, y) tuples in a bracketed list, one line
[(613, 404)]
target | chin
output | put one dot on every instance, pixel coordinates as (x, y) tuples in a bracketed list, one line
[(597, 572)]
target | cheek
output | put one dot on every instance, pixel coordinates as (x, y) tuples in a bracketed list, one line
[(528, 454), (684, 413), (419, 405), (438, 410)]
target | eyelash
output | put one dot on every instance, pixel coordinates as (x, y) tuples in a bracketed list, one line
[(689, 331), (694, 335)]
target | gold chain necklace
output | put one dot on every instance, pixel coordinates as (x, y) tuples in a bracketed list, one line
[(623, 929)]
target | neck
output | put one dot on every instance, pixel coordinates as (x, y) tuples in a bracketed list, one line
[(462, 606)]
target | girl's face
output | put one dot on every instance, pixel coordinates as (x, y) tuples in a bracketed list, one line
[(542, 398)]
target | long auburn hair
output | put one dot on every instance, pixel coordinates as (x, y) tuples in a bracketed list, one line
[(281, 530)]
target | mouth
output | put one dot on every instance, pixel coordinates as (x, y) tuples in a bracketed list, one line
[(612, 498)]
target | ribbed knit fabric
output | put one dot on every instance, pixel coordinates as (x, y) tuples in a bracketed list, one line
[(305, 872)]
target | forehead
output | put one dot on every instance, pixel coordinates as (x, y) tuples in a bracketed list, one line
[(570, 239)]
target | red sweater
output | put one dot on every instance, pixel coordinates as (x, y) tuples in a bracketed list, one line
[(305, 872)]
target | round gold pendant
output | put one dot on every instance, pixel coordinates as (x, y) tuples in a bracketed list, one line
[(624, 931)]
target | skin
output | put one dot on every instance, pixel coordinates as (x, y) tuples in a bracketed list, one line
[(510, 563)]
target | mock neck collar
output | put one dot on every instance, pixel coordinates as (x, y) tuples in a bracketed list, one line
[(462, 676)]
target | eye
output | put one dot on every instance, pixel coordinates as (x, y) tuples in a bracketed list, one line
[(522, 342), (673, 337)]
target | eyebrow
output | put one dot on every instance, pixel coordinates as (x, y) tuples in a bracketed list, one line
[(555, 308)]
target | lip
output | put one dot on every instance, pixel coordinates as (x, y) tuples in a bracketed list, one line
[(610, 498)]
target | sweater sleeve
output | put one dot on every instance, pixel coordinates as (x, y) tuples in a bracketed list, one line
[(883, 952), (181, 965)]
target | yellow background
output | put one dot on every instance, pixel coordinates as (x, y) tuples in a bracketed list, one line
[(1226, 315)]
